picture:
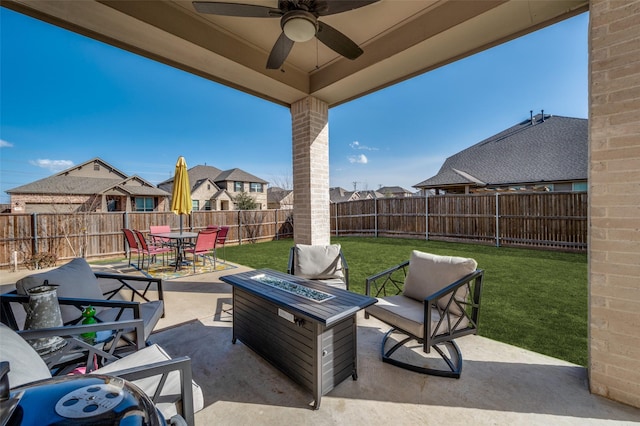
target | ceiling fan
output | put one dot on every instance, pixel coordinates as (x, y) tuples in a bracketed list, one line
[(299, 22)]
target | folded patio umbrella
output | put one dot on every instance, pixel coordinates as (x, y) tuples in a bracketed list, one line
[(181, 195)]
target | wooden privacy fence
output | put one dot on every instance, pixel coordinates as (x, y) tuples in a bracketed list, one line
[(546, 220), (94, 235)]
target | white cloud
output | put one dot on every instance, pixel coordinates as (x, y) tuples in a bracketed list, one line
[(356, 145), (52, 165), (5, 144), (360, 159)]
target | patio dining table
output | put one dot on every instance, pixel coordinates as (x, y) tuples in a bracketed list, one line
[(180, 238)]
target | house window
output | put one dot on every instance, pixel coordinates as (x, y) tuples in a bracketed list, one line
[(255, 187), (96, 167), (561, 187), (580, 187), (144, 204), (208, 187), (196, 205), (238, 186), (207, 205)]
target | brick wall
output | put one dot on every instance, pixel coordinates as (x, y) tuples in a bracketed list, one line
[(614, 185), (310, 134)]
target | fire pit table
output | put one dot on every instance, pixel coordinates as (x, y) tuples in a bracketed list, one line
[(304, 328)]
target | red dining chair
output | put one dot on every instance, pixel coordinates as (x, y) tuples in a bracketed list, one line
[(150, 250), (221, 239), (132, 243), (205, 243), (160, 241)]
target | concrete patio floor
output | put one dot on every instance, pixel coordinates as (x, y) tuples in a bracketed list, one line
[(500, 384)]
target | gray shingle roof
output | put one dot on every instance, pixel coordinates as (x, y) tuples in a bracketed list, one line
[(67, 185), (553, 149), (239, 176)]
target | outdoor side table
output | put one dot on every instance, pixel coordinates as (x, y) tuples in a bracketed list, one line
[(304, 328)]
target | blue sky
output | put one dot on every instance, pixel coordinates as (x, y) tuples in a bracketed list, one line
[(65, 99)]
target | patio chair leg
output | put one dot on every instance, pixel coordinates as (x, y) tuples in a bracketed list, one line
[(453, 358)]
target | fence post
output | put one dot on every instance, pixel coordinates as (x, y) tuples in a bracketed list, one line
[(275, 212), (34, 230), (426, 216), (239, 228), (335, 211), (497, 220), (375, 214)]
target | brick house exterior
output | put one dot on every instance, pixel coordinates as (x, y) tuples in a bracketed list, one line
[(93, 186), (214, 189)]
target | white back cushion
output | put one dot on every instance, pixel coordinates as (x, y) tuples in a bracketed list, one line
[(429, 273), (25, 364), (74, 279), (317, 261)]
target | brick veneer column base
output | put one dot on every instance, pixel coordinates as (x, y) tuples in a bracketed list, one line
[(310, 134)]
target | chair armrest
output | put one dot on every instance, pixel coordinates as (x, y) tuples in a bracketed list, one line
[(388, 277), (123, 281), (470, 308), (345, 269), (290, 269), (181, 365), (8, 316)]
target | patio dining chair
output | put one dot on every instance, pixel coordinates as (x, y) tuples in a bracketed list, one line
[(430, 299), (221, 240), (151, 251), (160, 241), (132, 244), (204, 246), (325, 263)]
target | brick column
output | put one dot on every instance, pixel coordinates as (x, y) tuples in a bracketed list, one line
[(614, 200), (310, 138)]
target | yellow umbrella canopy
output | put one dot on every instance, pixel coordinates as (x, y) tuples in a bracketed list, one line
[(181, 195)]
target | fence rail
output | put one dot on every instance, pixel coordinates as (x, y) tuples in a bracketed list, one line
[(99, 235), (545, 220)]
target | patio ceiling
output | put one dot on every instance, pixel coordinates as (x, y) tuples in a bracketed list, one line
[(400, 39)]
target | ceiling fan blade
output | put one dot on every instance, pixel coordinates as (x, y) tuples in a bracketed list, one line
[(236, 9), (279, 52), (331, 7), (337, 41)]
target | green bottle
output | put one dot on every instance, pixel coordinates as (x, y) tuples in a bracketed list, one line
[(89, 318)]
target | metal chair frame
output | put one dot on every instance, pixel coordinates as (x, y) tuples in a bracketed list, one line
[(376, 286)]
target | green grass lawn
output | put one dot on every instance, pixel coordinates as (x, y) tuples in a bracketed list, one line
[(533, 299)]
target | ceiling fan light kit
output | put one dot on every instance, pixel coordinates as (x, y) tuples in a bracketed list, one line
[(299, 22), (299, 26)]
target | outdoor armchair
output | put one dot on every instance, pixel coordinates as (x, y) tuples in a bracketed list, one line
[(168, 382), (115, 297), (430, 299), (325, 263)]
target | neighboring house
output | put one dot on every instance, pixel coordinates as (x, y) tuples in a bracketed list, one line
[(394, 191), (368, 194), (278, 198), (93, 186), (544, 153), (214, 189), (338, 195)]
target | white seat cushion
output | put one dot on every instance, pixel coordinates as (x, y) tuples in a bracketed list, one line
[(408, 315), (149, 355), (74, 279), (25, 364), (430, 273), (317, 261)]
